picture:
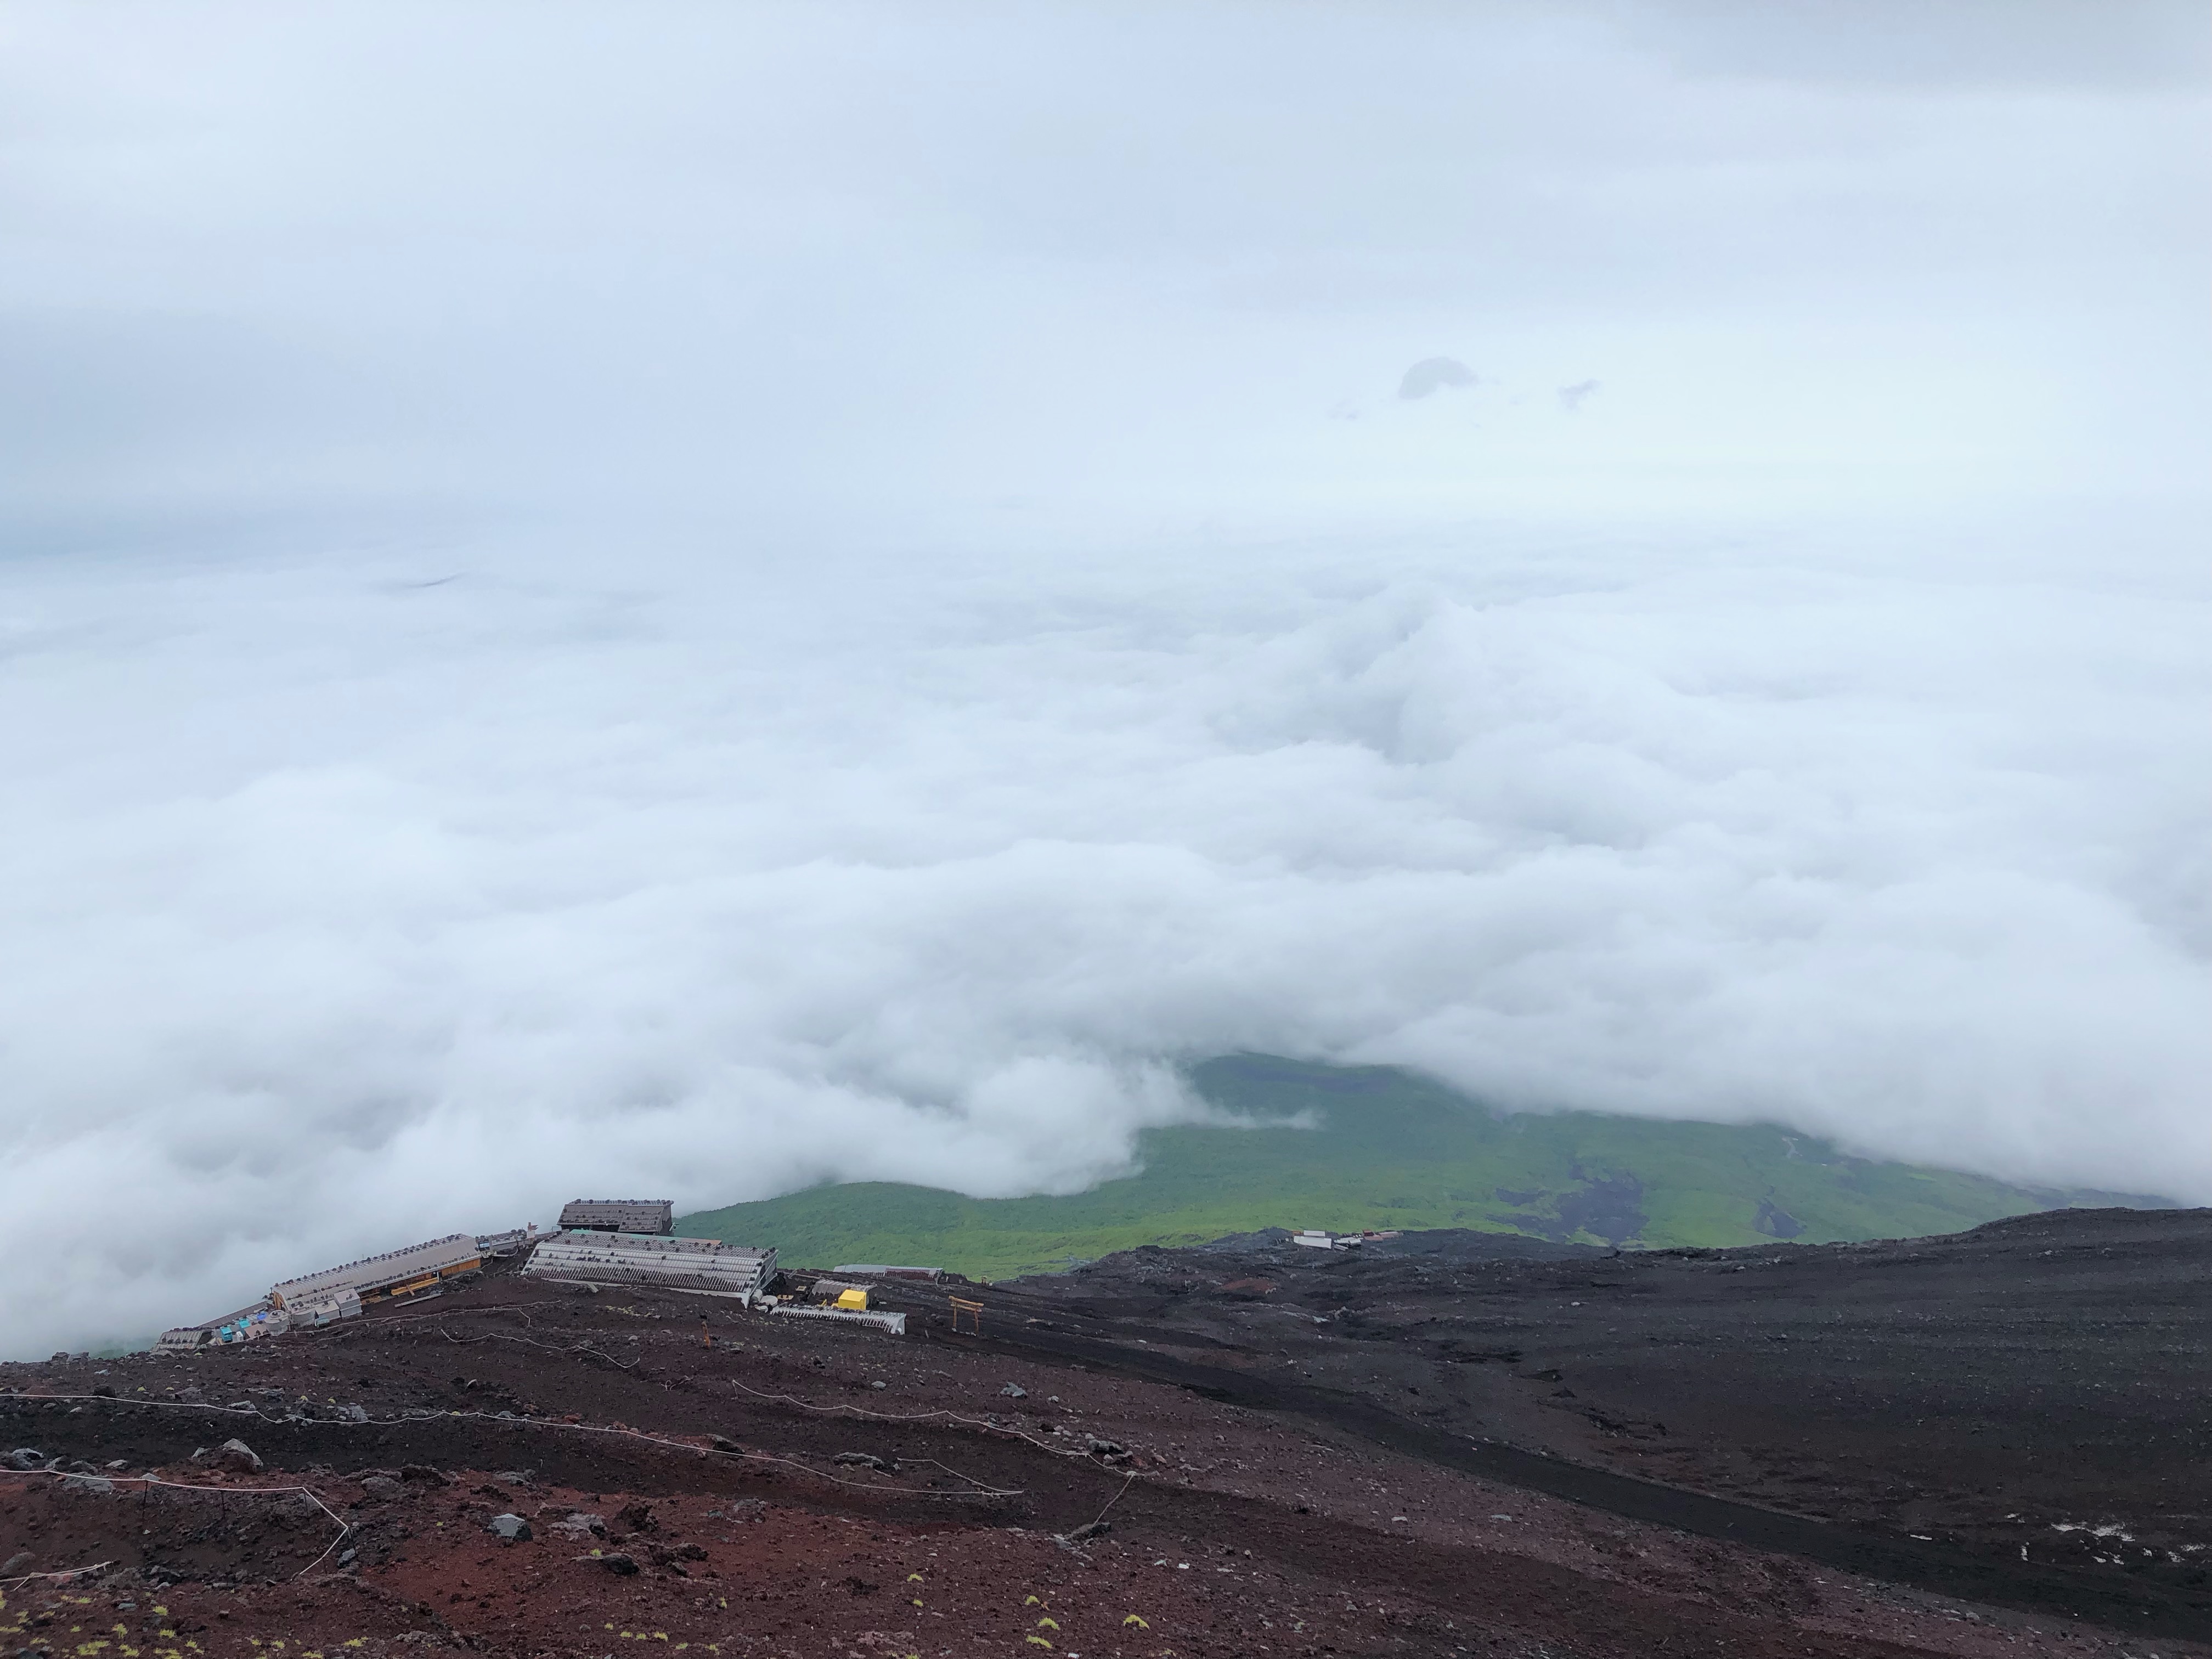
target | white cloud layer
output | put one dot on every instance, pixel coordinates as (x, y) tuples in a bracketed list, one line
[(694, 599)]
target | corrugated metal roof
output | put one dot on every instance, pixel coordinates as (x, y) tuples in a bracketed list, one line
[(374, 1272), (693, 1264), (620, 1215)]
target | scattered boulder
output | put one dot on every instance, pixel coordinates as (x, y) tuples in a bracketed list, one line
[(722, 1443), (512, 1528), (381, 1485), (867, 1460), (96, 1485), (25, 1457), (638, 1517), (1091, 1529), (1014, 1391), (621, 1565), (352, 1414), (671, 1560), (20, 1561), (1098, 1448), (234, 1455)]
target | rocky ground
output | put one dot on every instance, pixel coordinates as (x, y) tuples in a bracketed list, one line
[(1428, 1448)]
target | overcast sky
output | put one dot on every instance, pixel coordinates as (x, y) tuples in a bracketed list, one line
[(698, 598)]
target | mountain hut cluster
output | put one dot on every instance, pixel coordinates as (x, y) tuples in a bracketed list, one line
[(599, 1242)]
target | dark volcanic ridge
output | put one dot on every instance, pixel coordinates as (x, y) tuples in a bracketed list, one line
[(1990, 1444)]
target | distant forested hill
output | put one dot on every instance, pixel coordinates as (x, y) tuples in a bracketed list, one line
[(1389, 1149)]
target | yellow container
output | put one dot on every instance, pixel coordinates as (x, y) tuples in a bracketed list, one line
[(856, 1300)]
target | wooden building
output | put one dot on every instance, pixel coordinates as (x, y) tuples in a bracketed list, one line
[(410, 1272)]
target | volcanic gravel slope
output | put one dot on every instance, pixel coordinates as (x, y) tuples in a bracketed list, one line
[(1243, 1420)]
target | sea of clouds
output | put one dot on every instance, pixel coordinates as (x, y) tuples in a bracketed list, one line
[(689, 603), (358, 897)]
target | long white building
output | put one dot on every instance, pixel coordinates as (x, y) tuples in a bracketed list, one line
[(703, 1266)]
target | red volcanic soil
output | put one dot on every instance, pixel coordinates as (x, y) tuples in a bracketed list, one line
[(1161, 1456)]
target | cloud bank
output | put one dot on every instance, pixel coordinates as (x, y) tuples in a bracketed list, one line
[(696, 601), (346, 906)]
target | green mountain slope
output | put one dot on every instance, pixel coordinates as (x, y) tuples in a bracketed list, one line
[(1389, 1149)]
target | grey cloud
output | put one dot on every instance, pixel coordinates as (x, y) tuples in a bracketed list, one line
[(1570, 396), (1432, 372)]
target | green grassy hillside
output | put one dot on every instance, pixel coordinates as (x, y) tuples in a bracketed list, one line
[(1389, 1149)]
